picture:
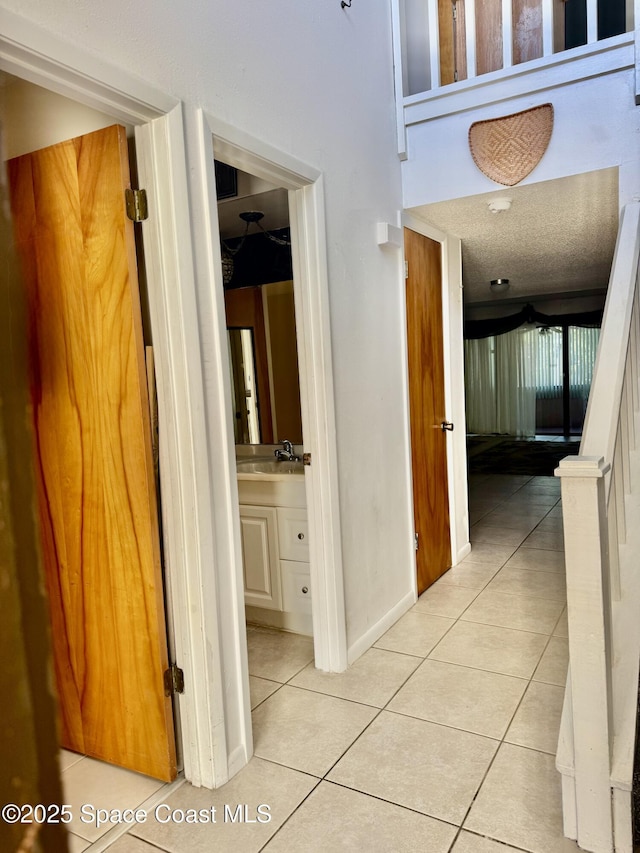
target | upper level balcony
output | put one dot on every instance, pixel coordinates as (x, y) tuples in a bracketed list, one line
[(454, 55)]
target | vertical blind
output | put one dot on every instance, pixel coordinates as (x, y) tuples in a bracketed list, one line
[(506, 374)]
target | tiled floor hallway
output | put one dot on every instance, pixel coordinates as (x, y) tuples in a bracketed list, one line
[(441, 738)]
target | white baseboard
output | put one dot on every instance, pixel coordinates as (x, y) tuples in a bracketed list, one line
[(376, 631), (462, 553)]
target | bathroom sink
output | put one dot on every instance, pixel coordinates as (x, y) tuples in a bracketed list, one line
[(268, 466)]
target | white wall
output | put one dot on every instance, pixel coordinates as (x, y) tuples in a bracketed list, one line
[(34, 117), (596, 125), (315, 81)]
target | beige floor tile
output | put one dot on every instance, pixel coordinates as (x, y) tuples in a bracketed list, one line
[(539, 584), (528, 816), (305, 730), (260, 783), (550, 541), (339, 819), (79, 845), (532, 496), (429, 768), (277, 655), (371, 680), (415, 634), (477, 513), (537, 560), (519, 519), (468, 699), (495, 649), (469, 575), (542, 484), (537, 720), (552, 669), (522, 612), (469, 843), (562, 628), (445, 600), (482, 532), (490, 554), (551, 524), (260, 688), (66, 759), (102, 786), (479, 507), (128, 844)]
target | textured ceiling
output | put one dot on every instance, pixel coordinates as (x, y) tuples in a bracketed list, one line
[(558, 236)]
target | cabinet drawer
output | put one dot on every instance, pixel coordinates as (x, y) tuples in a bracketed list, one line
[(293, 534), (296, 586)]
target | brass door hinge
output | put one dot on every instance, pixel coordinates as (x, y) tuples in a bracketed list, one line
[(137, 208), (173, 680), (306, 459)]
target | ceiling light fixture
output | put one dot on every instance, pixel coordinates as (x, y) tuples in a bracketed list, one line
[(499, 205), (249, 217), (499, 285)]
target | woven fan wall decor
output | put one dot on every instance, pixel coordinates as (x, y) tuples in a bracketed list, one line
[(507, 149)]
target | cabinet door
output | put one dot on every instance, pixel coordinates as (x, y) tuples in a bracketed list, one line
[(260, 556)]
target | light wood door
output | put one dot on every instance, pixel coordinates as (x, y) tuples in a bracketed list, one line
[(427, 406), (98, 508)]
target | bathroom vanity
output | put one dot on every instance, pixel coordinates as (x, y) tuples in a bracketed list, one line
[(275, 543)]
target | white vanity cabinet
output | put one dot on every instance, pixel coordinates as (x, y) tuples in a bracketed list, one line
[(260, 556), (275, 549)]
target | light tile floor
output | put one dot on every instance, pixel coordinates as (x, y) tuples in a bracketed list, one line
[(439, 739)]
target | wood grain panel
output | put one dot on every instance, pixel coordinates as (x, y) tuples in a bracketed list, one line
[(447, 42), (488, 35), (244, 311), (460, 39), (97, 494), (527, 30), (427, 406)]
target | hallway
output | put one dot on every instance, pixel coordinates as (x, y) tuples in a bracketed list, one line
[(440, 738)]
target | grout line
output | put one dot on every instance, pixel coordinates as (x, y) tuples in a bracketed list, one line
[(119, 830)]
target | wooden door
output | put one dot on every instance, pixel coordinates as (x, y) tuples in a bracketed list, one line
[(97, 501), (427, 408)]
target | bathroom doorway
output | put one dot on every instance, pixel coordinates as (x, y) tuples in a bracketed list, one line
[(260, 310), (302, 188)]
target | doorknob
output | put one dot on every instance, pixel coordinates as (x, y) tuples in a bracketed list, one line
[(446, 425)]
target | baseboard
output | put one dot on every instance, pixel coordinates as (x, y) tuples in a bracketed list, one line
[(462, 553), (237, 760), (298, 623), (376, 631)]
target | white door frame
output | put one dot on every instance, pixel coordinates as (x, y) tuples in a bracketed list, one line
[(452, 331), (29, 52), (311, 292)]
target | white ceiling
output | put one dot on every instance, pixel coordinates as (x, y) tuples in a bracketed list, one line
[(558, 236)]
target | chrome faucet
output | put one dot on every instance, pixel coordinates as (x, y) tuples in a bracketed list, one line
[(286, 453)]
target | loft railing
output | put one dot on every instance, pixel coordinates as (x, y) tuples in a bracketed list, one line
[(439, 42), (601, 514)]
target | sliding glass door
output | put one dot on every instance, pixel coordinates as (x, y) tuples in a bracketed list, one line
[(530, 380)]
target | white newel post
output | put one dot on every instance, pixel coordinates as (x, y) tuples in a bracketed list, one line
[(588, 600)]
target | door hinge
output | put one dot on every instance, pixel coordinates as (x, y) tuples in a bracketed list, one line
[(173, 680), (406, 269), (454, 6), (415, 542), (137, 209), (306, 459)]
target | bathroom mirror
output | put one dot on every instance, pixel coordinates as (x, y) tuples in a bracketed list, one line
[(264, 363)]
